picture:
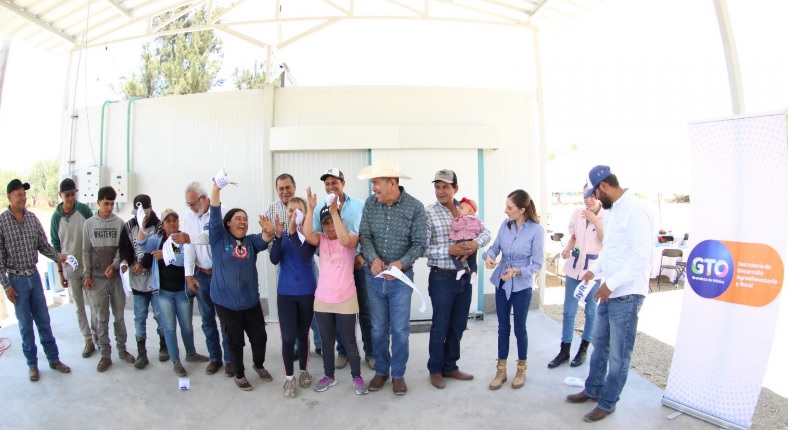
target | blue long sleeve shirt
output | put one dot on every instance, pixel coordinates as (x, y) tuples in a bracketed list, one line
[(520, 248), (234, 283), (295, 260)]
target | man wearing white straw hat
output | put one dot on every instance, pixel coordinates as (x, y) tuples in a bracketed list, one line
[(393, 235)]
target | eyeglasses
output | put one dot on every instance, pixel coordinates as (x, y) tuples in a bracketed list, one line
[(194, 204)]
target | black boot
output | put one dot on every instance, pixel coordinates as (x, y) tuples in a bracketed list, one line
[(562, 356), (580, 358), (163, 354), (142, 354)]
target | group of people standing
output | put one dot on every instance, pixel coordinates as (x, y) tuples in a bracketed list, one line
[(367, 250)]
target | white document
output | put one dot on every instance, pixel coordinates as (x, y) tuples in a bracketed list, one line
[(222, 180), (582, 290), (184, 384), (299, 220), (124, 279), (393, 271), (330, 198), (72, 261), (169, 249), (140, 216)]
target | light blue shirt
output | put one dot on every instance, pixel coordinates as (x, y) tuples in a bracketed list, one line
[(520, 248)]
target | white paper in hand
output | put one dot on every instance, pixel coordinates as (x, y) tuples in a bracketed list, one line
[(72, 262), (221, 179), (169, 251), (140, 216), (395, 272), (582, 290), (124, 279), (330, 198), (299, 219)]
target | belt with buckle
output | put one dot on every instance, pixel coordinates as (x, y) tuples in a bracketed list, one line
[(436, 268), (206, 271), (25, 272)]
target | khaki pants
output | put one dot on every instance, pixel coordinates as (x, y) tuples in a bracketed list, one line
[(106, 294)]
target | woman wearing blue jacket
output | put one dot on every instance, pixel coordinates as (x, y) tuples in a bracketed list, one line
[(234, 284), (169, 289)]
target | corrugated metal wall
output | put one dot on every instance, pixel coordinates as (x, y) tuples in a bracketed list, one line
[(177, 139)]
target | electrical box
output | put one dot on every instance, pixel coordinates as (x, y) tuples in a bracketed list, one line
[(88, 183), (120, 182)]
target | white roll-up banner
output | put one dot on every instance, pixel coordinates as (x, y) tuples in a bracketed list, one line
[(735, 269)]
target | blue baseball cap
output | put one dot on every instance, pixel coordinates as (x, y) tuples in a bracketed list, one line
[(595, 176)]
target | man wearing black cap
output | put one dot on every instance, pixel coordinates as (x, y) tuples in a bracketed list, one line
[(21, 238), (65, 231), (625, 267), (350, 211), (451, 296), (140, 279)]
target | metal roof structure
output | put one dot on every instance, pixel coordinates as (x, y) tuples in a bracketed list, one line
[(63, 25)]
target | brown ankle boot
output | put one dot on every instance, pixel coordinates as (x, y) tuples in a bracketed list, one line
[(519, 377), (500, 374)]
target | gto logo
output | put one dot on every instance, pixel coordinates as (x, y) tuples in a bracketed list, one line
[(707, 266)]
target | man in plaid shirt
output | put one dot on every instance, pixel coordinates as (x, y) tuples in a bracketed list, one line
[(451, 296), (21, 239)]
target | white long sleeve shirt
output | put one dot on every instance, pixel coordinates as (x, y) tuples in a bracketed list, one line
[(626, 263), (198, 251)]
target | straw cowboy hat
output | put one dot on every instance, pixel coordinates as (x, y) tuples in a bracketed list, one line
[(382, 169)]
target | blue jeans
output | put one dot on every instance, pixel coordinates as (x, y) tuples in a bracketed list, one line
[(171, 305), (451, 303), (519, 301), (141, 304), (570, 311), (614, 339), (208, 315), (31, 306), (364, 319), (389, 307)]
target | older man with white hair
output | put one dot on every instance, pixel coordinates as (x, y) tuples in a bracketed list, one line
[(198, 265), (393, 234)]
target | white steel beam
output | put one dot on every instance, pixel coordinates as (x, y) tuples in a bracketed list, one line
[(731, 57), (119, 8), (33, 19)]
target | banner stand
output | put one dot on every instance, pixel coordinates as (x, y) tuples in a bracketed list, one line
[(698, 414)]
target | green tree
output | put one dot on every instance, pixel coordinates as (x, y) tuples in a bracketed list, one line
[(44, 181), (246, 79), (182, 63)]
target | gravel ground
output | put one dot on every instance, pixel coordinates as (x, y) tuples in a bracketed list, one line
[(651, 359)]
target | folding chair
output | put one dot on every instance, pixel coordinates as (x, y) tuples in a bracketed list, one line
[(672, 265)]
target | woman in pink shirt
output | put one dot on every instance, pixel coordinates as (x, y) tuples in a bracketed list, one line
[(336, 304), (584, 246)]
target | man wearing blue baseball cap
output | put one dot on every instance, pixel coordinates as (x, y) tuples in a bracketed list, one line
[(624, 267)]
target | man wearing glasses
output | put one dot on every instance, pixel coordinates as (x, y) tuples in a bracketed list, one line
[(66, 235), (198, 264)]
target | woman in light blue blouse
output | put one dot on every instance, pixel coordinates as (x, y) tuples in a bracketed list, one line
[(520, 242)]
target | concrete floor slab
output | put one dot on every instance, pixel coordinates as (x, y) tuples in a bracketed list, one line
[(124, 397)]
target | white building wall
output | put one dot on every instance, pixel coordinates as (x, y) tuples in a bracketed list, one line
[(177, 139)]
